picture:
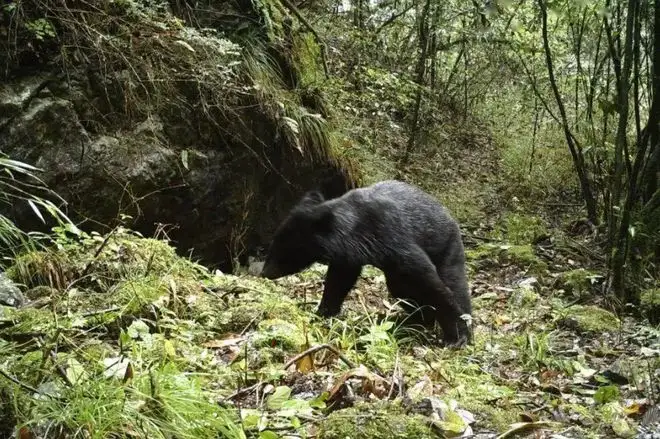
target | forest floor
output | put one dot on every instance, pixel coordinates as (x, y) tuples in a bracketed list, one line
[(120, 337)]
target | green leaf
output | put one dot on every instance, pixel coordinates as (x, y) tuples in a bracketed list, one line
[(319, 401), (281, 394), (622, 428), (36, 210), (606, 394), (251, 421), (184, 159), (169, 349), (75, 371), (138, 329), (267, 434), (453, 423)]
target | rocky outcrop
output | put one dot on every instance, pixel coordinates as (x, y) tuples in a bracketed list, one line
[(221, 201), (203, 130)]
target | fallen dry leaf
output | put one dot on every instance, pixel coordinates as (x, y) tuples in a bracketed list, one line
[(305, 364)]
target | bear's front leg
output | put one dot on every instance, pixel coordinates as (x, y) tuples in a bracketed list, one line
[(338, 282)]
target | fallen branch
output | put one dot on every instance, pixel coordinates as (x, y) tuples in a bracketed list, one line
[(521, 427), (315, 349), (243, 391), (101, 311)]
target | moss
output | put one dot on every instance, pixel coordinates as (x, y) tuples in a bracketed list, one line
[(276, 332), (650, 297), (521, 255), (32, 320), (40, 291), (589, 318), (476, 392), (491, 416), (248, 301), (649, 301), (577, 282), (372, 422), (524, 255), (524, 296), (134, 294), (307, 54), (521, 229)]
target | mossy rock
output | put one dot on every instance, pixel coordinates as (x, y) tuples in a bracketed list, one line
[(237, 318), (524, 296), (523, 229), (649, 301), (577, 282), (589, 319), (276, 332), (372, 422), (494, 254)]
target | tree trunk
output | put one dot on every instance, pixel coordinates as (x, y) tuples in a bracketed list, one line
[(419, 80), (575, 149), (619, 242)]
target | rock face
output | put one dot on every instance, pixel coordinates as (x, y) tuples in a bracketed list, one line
[(10, 294), (219, 200)]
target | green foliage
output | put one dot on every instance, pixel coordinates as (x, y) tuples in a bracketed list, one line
[(606, 394), (535, 172), (158, 402), (520, 229), (650, 304), (523, 256), (19, 183), (41, 28)]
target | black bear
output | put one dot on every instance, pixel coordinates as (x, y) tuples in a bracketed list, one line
[(391, 225)]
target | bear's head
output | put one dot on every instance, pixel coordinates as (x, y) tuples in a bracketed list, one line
[(297, 241)]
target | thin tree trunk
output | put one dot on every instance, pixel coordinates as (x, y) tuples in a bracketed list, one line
[(653, 167), (419, 80), (573, 146), (619, 243)]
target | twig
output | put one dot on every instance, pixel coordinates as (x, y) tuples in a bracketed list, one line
[(315, 349), (243, 391), (53, 356), (98, 251), (101, 311), (396, 365), (21, 384)]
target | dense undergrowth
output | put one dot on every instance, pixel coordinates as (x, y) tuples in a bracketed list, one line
[(121, 337)]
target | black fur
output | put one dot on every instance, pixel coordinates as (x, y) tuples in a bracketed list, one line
[(391, 225)]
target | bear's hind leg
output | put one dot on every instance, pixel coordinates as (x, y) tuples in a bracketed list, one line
[(338, 282), (427, 288), (401, 288)]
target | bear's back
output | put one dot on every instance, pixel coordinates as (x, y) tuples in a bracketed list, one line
[(395, 205)]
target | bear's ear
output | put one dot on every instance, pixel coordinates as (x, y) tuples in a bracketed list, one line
[(312, 198)]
